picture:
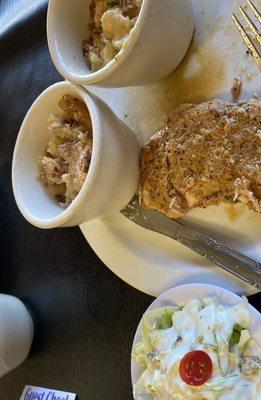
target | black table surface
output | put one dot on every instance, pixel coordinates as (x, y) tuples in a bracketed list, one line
[(85, 317)]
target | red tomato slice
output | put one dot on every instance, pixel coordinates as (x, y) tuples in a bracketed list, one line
[(195, 368)]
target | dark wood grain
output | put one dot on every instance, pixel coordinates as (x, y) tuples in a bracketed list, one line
[(84, 316)]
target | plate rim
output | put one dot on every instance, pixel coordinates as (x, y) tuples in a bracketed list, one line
[(103, 255)]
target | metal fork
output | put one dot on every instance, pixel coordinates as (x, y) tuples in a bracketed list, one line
[(253, 40)]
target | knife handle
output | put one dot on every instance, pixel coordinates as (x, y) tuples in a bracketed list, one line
[(224, 256)]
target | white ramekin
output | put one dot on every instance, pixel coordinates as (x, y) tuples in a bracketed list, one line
[(16, 333), (114, 170), (155, 47)]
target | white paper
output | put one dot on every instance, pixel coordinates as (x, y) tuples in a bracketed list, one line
[(38, 393), (3, 368)]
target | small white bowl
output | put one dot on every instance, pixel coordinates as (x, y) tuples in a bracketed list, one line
[(16, 333), (181, 295), (114, 169), (154, 48)]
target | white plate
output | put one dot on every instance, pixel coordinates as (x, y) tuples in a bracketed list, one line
[(180, 295), (146, 260)]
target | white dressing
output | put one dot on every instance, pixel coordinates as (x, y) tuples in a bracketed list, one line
[(221, 332)]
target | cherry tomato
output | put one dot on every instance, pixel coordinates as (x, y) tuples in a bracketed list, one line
[(195, 368)]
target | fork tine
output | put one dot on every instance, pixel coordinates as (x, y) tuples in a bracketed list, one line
[(251, 46), (255, 11), (251, 25)]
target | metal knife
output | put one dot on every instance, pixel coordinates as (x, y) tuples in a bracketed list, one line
[(239, 264)]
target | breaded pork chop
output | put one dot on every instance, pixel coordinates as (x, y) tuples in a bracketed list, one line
[(206, 155)]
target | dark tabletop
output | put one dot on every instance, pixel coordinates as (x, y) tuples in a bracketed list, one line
[(85, 317)]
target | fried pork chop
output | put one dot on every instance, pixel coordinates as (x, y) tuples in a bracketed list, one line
[(207, 154)]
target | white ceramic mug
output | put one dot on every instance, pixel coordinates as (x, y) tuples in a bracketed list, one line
[(16, 333)]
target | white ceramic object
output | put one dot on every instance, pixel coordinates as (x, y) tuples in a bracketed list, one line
[(16, 333), (146, 260), (180, 295), (154, 48), (114, 169)]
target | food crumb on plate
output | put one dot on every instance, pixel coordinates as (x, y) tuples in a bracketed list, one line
[(236, 87)]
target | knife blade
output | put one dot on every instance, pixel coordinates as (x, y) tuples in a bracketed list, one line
[(232, 260)]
